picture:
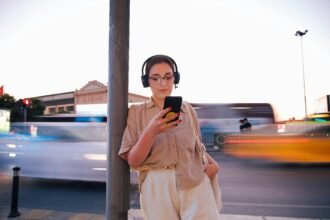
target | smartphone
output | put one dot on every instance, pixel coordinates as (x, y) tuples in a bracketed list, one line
[(175, 102)]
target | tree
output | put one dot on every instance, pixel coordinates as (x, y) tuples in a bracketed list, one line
[(7, 101), (17, 112), (17, 108), (37, 108)]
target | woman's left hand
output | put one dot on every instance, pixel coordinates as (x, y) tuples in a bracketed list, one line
[(211, 170), (212, 166)]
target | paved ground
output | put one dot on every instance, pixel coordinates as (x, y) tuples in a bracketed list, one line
[(133, 214)]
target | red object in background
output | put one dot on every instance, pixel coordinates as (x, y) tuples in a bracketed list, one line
[(26, 102), (1, 90)]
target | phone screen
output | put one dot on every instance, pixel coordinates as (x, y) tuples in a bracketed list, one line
[(175, 102)]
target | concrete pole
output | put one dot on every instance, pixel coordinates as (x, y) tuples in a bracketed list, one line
[(118, 175)]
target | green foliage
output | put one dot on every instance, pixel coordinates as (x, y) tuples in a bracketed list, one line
[(18, 109), (7, 101), (17, 112), (37, 108)]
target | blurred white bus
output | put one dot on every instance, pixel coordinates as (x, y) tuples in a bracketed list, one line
[(217, 120)]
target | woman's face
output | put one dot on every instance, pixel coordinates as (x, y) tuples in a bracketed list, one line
[(161, 80)]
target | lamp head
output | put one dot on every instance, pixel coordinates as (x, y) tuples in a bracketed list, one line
[(300, 33)]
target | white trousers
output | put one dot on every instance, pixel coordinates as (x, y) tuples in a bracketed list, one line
[(161, 200)]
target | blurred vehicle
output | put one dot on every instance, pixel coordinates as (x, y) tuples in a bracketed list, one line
[(318, 117), (74, 147), (292, 142), (4, 120), (217, 121), (61, 147), (70, 118)]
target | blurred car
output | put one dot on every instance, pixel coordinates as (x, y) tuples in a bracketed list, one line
[(70, 150), (292, 142)]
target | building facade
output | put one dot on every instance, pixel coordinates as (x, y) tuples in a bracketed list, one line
[(93, 93)]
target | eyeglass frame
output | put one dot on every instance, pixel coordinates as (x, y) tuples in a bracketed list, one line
[(159, 79)]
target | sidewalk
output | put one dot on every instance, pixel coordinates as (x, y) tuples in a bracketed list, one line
[(133, 214)]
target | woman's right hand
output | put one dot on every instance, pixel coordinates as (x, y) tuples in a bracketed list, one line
[(160, 124)]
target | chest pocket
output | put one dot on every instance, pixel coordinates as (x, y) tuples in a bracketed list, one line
[(184, 134)]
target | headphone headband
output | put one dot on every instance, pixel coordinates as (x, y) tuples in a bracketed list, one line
[(154, 60)]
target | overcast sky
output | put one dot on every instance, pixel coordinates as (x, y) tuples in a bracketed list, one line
[(226, 50)]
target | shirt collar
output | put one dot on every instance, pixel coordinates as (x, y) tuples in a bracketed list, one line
[(150, 103)]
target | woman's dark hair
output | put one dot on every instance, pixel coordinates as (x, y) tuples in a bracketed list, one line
[(149, 63)]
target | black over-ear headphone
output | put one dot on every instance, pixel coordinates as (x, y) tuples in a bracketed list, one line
[(158, 59)]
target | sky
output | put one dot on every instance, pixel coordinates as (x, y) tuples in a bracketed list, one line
[(226, 50)]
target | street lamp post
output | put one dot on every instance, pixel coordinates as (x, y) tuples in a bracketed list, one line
[(301, 34)]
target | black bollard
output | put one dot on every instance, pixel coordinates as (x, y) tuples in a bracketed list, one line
[(14, 195)]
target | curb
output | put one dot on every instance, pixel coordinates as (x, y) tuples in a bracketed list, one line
[(133, 214)]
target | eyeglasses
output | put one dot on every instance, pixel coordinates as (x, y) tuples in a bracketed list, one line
[(159, 79)]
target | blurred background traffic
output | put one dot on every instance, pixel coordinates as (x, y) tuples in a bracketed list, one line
[(73, 145)]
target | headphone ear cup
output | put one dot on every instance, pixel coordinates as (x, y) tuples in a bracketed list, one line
[(145, 81), (176, 78)]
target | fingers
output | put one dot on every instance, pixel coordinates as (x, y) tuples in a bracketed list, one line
[(166, 120), (170, 119), (170, 125), (164, 112), (168, 114), (174, 123)]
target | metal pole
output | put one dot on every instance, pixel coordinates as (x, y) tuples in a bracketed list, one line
[(303, 72), (24, 114), (14, 195), (24, 123), (118, 182), (301, 34)]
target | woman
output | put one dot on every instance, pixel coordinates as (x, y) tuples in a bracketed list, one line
[(174, 184)]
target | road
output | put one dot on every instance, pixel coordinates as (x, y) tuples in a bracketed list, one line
[(248, 188), (260, 188)]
